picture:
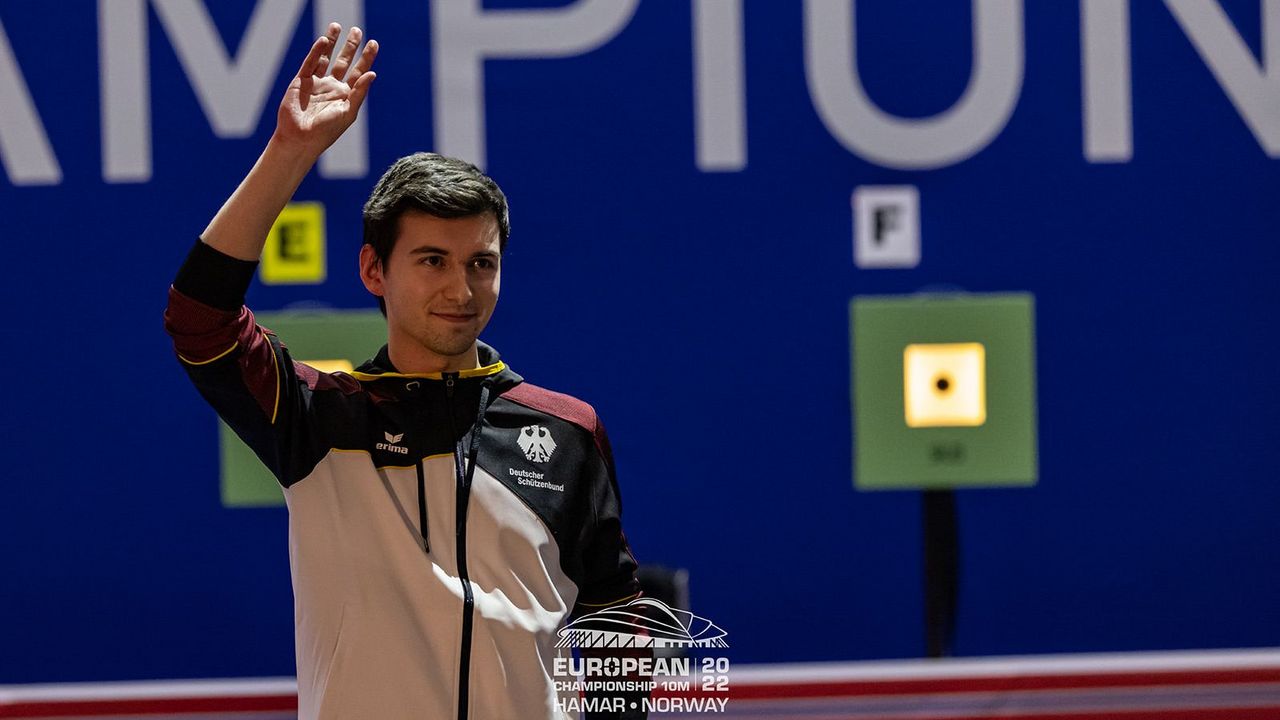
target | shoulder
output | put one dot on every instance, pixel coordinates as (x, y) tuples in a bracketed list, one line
[(566, 409), (559, 405), (320, 380)]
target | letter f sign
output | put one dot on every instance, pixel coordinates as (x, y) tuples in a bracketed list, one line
[(885, 220)]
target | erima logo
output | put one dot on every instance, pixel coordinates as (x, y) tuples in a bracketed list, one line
[(389, 446), (537, 443)]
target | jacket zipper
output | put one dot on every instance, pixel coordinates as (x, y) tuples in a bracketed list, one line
[(468, 600)]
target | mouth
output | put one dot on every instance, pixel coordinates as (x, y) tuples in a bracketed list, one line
[(459, 318)]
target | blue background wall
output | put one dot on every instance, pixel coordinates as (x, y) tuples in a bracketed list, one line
[(705, 317)]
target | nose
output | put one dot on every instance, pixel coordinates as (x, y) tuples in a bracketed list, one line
[(457, 287)]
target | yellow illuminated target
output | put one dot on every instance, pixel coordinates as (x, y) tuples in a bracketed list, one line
[(945, 384)]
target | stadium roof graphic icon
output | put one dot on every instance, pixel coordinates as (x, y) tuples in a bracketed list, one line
[(641, 623)]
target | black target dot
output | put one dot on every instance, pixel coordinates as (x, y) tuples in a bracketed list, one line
[(943, 383)]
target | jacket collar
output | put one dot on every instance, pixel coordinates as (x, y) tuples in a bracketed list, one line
[(491, 365)]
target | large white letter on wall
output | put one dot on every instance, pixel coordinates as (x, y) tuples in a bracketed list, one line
[(1254, 88), (233, 92), (464, 35), (719, 86), (965, 128), (1105, 69), (349, 156), (24, 146), (125, 83)]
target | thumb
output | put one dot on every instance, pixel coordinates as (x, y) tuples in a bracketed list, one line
[(361, 90)]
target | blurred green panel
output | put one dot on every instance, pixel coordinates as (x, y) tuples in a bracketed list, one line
[(999, 452)]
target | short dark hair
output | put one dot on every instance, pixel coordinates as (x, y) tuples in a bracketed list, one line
[(437, 185)]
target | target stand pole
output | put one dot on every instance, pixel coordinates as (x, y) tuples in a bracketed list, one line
[(941, 570)]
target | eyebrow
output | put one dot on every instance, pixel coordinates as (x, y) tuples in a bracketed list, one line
[(428, 250), (432, 250)]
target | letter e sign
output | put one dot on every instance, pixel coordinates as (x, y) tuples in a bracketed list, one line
[(295, 249)]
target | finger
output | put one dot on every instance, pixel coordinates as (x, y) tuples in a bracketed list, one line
[(313, 56), (348, 53), (367, 56), (361, 89), (331, 38)]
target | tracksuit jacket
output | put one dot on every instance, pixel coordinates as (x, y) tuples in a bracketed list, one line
[(442, 527)]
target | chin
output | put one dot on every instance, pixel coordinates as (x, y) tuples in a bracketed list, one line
[(451, 347)]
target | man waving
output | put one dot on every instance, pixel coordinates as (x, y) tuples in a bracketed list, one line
[(445, 517)]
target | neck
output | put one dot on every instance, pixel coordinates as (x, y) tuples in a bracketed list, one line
[(412, 358)]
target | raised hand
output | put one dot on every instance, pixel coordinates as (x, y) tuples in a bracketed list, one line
[(322, 101), (320, 104)]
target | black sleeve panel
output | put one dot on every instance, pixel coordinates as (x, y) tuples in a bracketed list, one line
[(214, 278), (610, 576), (609, 568)]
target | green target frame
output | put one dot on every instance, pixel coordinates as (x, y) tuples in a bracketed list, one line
[(891, 455)]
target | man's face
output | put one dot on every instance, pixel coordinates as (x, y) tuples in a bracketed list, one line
[(440, 284)]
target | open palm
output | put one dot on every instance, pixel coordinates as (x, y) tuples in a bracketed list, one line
[(323, 101)]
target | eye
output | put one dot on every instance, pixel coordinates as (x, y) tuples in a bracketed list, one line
[(432, 260), (483, 263)]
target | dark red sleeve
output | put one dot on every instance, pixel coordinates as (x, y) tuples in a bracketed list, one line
[(242, 369), (203, 335)]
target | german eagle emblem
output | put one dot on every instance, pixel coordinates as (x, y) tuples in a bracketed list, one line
[(537, 443)]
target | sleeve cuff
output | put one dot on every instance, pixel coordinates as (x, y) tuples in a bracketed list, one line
[(214, 278)]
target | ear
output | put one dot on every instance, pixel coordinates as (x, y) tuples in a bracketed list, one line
[(371, 270)]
